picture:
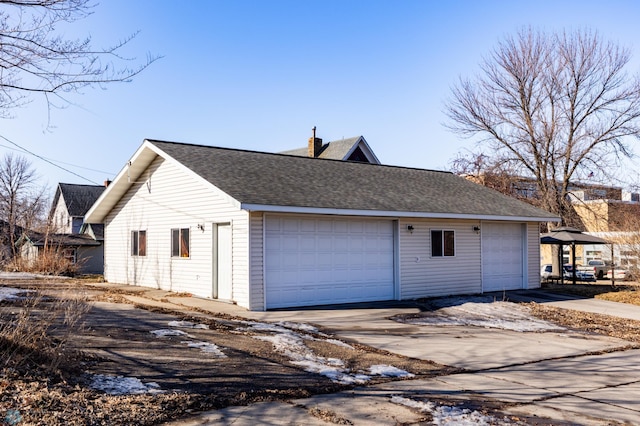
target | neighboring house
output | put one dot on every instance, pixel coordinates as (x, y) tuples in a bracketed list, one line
[(70, 203), (80, 242), (351, 149), (272, 231), (80, 249)]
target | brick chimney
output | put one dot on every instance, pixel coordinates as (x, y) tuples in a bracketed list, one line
[(107, 183), (315, 144)]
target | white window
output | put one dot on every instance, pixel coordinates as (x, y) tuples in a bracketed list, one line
[(180, 242)]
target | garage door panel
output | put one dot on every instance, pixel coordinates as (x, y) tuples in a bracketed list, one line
[(502, 256), (322, 261)]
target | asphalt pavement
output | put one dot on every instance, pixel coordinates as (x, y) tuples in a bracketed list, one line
[(543, 378)]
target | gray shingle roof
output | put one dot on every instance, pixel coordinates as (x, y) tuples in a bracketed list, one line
[(335, 150), (78, 198), (267, 179)]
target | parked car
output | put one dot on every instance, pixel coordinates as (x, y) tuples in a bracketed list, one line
[(546, 272), (619, 274), (600, 267), (583, 273)]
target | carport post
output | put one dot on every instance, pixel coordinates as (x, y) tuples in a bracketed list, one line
[(613, 268), (573, 261)]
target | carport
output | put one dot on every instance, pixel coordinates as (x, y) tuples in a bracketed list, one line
[(571, 236)]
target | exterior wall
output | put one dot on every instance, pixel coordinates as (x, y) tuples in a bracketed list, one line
[(533, 255), (91, 259), (61, 218), (256, 276), (164, 198), (424, 276)]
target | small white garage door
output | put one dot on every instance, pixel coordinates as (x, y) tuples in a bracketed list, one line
[(502, 256), (319, 261)]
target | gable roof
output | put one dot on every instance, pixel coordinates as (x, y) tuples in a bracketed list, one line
[(275, 182), (77, 198), (63, 240), (339, 150)]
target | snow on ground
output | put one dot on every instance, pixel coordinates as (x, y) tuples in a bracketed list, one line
[(188, 324), (388, 371), (503, 315), (166, 332), (206, 347), (118, 385), (210, 348), (287, 339), (447, 415), (10, 293)]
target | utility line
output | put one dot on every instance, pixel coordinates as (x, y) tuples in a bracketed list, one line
[(47, 160), (61, 162)]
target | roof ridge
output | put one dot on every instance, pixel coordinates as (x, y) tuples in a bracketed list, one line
[(278, 154)]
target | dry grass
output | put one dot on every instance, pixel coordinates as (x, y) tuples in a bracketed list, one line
[(48, 262), (627, 292), (35, 328)]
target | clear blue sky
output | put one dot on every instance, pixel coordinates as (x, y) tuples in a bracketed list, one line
[(260, 74)]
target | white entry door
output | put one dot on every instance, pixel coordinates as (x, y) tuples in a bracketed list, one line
[(502, 256), (222, 262), (327, 260)]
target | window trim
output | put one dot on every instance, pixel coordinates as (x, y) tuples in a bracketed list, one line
[(137, 249), (444, 236), (178, 246)]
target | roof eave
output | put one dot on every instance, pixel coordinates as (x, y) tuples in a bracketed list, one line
[(132, 170), (398, 214)]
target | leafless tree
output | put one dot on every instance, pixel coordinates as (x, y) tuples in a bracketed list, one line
[(22, 201), (552, 107), (35, 58)]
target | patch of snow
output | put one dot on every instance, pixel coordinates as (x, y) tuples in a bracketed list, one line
[(165, 332), (119, 385), (298, 326), (10, 293), (447, 415), (210, 348), (389, 371), (502, 315), (291, 344), (188, 324)]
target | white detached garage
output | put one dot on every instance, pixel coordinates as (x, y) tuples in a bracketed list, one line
[(272, 231)]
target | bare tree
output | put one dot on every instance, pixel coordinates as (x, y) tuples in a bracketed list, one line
[(555, 108), (36, 59), (22, 201)]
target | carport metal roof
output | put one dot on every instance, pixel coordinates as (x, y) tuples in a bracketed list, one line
[(569, 236), (566, 236)]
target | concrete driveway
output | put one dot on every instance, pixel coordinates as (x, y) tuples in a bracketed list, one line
[(568, 377)]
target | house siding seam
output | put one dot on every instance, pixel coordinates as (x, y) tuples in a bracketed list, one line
[(165, 198), (424, 276)]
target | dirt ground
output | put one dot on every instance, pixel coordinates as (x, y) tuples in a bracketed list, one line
[(117, 339)]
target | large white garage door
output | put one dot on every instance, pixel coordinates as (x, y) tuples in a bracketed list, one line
[(319, 261), (502, 256)]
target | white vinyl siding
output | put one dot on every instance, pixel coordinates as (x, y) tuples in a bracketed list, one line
[(167, 196), (61, 218), (256, 274), (422, 275), (533, 254)]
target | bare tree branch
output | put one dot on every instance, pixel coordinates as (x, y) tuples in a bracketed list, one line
[(35, 59), (560, 106)]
